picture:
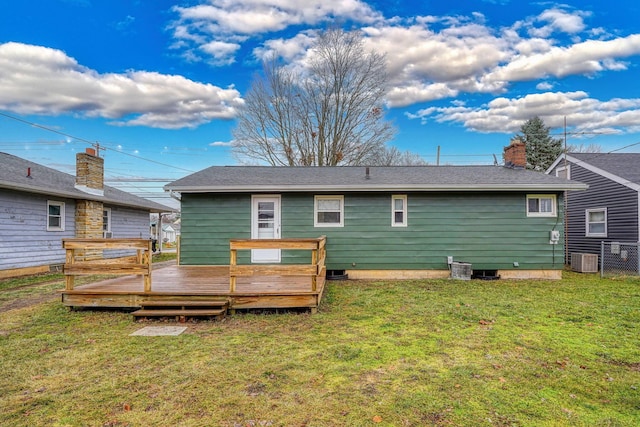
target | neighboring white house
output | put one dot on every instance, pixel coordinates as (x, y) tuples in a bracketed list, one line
[(40, 206), (169, 234)]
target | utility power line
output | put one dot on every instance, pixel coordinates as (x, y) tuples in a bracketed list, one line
[(92, 143)]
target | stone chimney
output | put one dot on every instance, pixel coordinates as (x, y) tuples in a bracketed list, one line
[(90, 173), (89, 213), (515, 155)]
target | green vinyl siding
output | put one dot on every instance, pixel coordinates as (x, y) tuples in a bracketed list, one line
[(489, 230), (208, 222)]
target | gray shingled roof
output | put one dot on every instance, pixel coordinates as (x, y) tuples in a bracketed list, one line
[(624, 165), (352, 178), (44, 180)]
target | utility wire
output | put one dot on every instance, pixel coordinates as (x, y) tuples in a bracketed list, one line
[(92, 143)]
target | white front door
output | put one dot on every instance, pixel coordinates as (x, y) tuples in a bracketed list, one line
[(265, 224)]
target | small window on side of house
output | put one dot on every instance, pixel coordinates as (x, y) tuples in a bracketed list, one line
[(596, 222), (106, 222), (399, 210), (55, 216), (542, 205), (328, 211), (563, 172)]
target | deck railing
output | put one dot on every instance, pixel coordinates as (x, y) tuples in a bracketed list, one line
[(77, 262), (316, 270)]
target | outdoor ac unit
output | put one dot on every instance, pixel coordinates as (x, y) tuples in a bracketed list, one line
[(107, 234), (584, 263)]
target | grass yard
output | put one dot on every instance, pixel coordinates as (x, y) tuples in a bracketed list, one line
[(405, 353)]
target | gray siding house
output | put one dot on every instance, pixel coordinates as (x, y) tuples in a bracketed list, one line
[(381, 222), (40, 206), (609, 210)]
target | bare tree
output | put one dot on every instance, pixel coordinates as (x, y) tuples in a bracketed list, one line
[(391, 156), (582, 148), (329, 113)]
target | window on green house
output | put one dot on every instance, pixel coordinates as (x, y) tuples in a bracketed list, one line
[(541, 205), (399, 210), (329, 211)]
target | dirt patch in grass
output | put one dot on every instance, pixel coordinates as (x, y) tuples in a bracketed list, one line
[(30, 300)]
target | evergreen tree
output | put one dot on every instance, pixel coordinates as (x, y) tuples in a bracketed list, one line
[(542, 149)]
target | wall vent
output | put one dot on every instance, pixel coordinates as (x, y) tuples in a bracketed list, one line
[(107, 234), (584, 263)]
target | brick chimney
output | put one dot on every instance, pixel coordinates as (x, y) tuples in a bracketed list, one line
[(515, 155), (90, 172), (89, 213)]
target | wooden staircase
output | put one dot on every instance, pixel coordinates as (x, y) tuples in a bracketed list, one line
[(181, 309)]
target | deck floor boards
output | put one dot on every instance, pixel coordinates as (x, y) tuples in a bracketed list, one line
[(198, 282)]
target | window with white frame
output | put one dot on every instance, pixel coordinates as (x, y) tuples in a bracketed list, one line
[(329, 211), (55, 216), (541, 205), (399, 210), (563, 172), (596, 222), (106, 222)]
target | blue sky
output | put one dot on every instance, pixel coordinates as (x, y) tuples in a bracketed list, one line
[(157, 83)]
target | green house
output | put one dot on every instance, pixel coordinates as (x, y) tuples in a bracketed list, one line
[(381, 222)]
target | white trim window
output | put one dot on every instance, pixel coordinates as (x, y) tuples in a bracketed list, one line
[(564, 172), (399, 210), (328, 211), (596, 222), (55, 216), (541, 205), (106, 222)]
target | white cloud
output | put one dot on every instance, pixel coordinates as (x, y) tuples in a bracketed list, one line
[(290, 50), (583, 114), (221, 144), (429, 57), (260, 16), (218, 20), (40, 80), (435, 65), (582, 58), (125, 24), (221, 53), (446, 57), (544, 86), (559, 20)]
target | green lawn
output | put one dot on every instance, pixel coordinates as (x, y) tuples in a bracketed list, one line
[(403, 353)]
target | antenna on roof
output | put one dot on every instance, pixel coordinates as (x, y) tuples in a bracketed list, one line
[(495, 160), (96, 146)]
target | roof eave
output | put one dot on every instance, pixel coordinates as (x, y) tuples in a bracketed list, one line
[(371, 188), (76, 196)]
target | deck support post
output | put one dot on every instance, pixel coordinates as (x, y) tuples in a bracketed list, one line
[(233, 261), (69, 281), (314, 261), (145, 259)]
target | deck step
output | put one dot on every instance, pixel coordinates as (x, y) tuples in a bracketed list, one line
[(169, 313), (182, 308), (186, 303)]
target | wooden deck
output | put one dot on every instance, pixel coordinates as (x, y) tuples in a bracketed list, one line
[(241, 286), (199, 283)]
